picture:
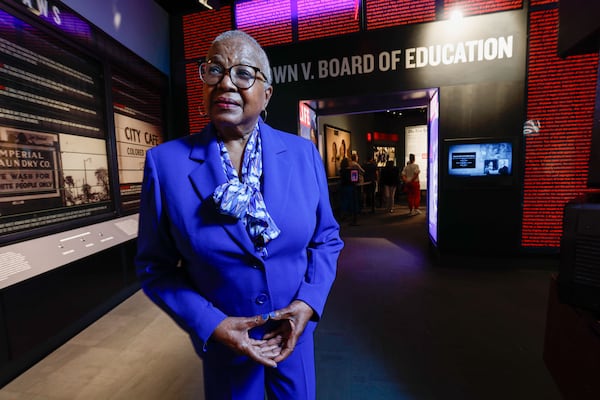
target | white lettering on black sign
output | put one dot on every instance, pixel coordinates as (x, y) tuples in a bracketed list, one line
[(436, 55)]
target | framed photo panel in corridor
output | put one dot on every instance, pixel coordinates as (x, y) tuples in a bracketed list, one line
[(337, 144)]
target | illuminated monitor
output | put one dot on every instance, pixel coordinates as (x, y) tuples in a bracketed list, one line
[(433, 168), (383, 154), (484, 162), (480, 158)]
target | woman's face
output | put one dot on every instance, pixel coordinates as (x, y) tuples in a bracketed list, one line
[(235, 111)]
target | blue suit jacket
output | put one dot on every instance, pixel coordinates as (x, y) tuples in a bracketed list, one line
[(200, 266)]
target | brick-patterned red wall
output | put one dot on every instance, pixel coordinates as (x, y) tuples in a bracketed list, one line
[(252, 16), (199, 29), (318, 19), (385, 13), (561, 95), (478, 7)]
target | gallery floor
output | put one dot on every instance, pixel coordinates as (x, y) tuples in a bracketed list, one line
[(398, 325)]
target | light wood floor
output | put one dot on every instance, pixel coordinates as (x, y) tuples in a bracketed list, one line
[(133, 352)]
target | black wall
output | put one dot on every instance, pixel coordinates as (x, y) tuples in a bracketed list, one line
[(579, 27), (476, 216)]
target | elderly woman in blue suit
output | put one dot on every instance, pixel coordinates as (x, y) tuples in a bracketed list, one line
[(237, 241)]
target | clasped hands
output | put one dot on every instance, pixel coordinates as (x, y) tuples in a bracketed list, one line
[(276, 345)]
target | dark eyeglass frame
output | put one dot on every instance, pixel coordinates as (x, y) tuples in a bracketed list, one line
[(228, 71)]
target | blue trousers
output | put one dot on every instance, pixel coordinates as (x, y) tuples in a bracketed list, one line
[(234, 377)]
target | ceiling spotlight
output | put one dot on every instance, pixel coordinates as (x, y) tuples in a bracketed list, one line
[(205, 4), (456, 15)]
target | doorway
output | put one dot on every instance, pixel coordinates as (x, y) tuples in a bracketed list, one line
[(378, 122)]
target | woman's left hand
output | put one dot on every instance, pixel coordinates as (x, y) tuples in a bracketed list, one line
[(293, 322)]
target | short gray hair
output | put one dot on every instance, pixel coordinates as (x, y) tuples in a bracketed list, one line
[(262, 56)]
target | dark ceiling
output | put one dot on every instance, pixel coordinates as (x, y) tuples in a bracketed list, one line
[(189, 6), (412, 101)]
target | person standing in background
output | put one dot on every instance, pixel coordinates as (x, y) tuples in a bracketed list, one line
[(371, 177), (349, 189), (390, 177), (358, 179), (410, 177), (355, 165)]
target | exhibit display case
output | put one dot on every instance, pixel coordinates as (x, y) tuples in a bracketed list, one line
[(78, 111)]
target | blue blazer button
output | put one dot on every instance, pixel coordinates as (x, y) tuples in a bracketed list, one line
[(262, 299)]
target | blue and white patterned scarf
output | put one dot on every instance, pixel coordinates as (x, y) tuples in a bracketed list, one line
[(242, 198)]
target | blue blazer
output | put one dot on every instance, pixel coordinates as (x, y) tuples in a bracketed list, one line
[(201, 267)]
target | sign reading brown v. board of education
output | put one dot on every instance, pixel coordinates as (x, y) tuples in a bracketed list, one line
[(481, 48)]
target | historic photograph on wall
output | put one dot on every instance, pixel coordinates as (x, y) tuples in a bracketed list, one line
[(338, 147), (383, 154)]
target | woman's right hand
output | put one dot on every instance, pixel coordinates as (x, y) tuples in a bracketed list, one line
[(234, 333)]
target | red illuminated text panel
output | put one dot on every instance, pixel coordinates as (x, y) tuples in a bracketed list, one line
[(561, 95), (385, 13), (478, 7), (323, 19), (253, 17)]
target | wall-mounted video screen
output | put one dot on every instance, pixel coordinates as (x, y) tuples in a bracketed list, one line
[(383, 154), (54, 166), (480, 158)]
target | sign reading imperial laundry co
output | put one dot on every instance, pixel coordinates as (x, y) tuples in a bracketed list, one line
[(28, 165)]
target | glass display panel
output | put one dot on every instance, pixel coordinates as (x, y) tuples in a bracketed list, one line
[(53, 152), (433, 168), (138, 127)]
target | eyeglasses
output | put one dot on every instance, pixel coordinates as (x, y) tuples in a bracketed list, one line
[(242, 76)]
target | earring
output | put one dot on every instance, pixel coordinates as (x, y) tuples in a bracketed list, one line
[(265, 117), (202, 113)]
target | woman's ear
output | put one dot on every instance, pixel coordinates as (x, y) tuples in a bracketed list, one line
[(268, 94)]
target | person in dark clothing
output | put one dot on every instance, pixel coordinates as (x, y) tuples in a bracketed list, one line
[(390, 176), (371, 178), (349, 176)]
